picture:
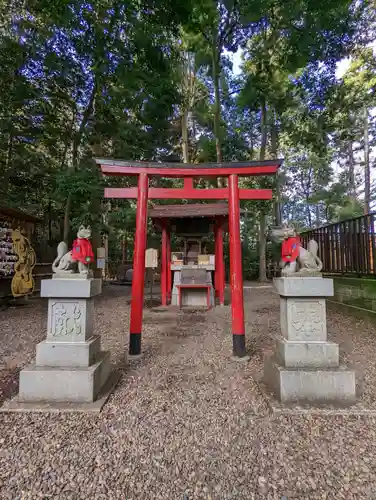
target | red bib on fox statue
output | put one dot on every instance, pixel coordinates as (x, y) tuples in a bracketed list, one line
[(290, 249), (82, 251)]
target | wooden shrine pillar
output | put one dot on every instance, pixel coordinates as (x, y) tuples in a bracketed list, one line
[(168, 267), (164, 269), (236, 272), (216, 288), (188, 183), (138, 280), (219, 276)]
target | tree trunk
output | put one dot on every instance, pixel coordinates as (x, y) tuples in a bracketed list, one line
[(367, 173), (217, 105), (273, 137), (184, 134), (68, 141), (217, 108), (293, 213), (76, 145), (351, 168), (263, 217), (317, 215), (251, 149), (264, 131), (124, 250), (49, 221), (274, 156), (262, 248), (309, 215), (66, 218), (8, 163)]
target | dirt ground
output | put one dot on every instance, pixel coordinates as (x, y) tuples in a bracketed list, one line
[(186, 421)]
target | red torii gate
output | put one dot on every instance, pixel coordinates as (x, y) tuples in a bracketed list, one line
[(232, 193)]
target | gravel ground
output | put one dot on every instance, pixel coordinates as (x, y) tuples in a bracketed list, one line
[(185, 421)]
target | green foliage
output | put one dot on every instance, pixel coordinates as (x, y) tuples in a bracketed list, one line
[(91, 79), (349, 210), (82, 80)]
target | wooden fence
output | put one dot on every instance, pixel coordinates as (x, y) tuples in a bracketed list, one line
[(347, 247)]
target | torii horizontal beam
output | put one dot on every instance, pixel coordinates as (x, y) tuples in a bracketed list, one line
[(189, 193), (118, 167)]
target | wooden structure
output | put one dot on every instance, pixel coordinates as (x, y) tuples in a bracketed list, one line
[(191, 222), (347, 247), (232, 193), (17, 219)]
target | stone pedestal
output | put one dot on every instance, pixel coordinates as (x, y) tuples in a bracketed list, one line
[(305, 366), (69, 365)]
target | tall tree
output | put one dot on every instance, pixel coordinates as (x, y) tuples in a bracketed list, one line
[(216, 26), (83, 78)]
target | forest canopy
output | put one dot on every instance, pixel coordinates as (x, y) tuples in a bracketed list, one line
[(156, 80)]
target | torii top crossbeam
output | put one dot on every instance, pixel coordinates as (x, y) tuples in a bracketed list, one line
[(161, 169), (232, 193)]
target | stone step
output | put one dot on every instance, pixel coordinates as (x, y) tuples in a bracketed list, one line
[(69, 384), (300, 354), (292, 385), (63, 354)]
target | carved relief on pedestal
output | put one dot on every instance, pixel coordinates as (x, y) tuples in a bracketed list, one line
[(307, 316), (67, 319), (307, 320)]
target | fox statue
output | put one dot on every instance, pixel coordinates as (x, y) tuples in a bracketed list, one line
[(306, 262), (67, 263)]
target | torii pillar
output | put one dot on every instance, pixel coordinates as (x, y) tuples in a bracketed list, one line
[(138, 279), (164, 265), (219, 278), (236, 271)]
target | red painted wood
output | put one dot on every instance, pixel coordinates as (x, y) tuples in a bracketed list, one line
[(164, 266), (138, 280), (190, 172), (169, 276), (216, 283), (236, 275), (189, 194), (188, 183), (219, 262)]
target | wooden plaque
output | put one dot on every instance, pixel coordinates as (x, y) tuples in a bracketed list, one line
[(151, 258)]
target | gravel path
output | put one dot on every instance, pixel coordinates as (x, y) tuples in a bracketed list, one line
[(185, 421)]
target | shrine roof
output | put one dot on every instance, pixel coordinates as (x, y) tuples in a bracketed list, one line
[(18, 215), (111, 166), (189, 210)]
